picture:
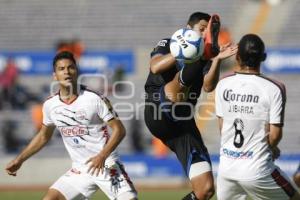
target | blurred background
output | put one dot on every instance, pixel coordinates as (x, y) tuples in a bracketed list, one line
[(114, 39)]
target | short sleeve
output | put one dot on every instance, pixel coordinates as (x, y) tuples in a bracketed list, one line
[(47, 121), (105, 110), (218, 103), (162, 47), (277, 106)]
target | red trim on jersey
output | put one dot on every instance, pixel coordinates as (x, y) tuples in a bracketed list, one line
[(81, 87), (49, 97), (68, 103), (281, 86), (283, 183), (276, 82), (127, 178)]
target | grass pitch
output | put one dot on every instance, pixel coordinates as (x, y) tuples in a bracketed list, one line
[(143, 195)]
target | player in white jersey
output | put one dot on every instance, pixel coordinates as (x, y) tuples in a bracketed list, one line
[(250, 109), (82, 117)]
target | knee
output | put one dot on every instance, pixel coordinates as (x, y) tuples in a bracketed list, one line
[(53, 195), (297, 179), (48, 198), (205, 192)]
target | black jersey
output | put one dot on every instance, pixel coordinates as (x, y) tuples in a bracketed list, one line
[(156, 81)]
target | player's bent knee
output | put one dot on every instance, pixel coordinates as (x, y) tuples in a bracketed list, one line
[(297, 179), (53, 195), (203, 186), (205, 192)]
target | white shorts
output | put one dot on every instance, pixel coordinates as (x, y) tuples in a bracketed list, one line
[(275, 186), (78, 185)]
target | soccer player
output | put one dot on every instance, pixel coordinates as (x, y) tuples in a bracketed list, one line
[(297, 177), (250, 110), (82, 117), (172, 91)]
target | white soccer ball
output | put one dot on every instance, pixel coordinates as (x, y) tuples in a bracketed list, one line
[(186, 45)]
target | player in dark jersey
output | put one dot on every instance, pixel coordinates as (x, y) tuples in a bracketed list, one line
[(172, 91)]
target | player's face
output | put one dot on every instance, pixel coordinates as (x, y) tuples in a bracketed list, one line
[(65, 72), (200, 27)]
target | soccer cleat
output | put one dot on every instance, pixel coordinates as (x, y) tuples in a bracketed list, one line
[(190, 196), (211, 46)]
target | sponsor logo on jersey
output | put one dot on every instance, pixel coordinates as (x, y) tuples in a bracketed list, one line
[(70, 131), (237, 154), (80, 115), (230, 96)]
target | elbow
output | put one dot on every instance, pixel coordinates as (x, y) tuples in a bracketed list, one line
[(209, 85), (122, 132), (208, 89), (154, 70)]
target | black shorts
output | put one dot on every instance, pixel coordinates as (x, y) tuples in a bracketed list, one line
[(181, 136)]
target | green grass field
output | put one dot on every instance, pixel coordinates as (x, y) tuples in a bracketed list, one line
[(143, 195)]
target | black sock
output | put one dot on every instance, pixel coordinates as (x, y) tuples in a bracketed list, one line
[(190, 72), (190, 196)]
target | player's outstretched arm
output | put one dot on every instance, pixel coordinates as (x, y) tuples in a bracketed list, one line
[(118, 133), (212, 77), (160, 63), (39, 140)]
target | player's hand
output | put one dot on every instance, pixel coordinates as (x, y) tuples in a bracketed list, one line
[(227, 50), (96, 164), (13, 167), (275, 153)]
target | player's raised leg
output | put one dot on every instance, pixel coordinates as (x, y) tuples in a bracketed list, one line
[(191, 71)]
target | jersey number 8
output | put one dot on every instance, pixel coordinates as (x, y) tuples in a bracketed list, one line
[(238, 136)]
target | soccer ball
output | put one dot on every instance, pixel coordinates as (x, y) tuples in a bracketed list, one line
[(186, 45)]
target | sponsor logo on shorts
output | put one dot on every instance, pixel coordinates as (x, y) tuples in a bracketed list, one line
[(237, 154), (75, 171), (76, 140)]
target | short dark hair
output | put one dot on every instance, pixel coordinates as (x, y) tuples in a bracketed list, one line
[(63, 55), (196, 17), (251, 50)]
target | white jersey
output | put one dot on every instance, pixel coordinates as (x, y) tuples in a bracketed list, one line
[(247, 103), (81, 124)]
